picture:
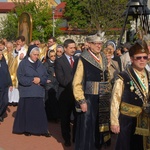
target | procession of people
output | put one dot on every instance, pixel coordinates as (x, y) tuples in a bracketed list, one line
[(100, 88)]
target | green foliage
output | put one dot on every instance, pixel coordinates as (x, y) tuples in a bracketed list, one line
[(76, 14), (8, 27), (41, 18), (96, 14)]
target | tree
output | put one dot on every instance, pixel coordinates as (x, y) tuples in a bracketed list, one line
[(76, 14), (8, 26), (96, 14), (41, 17)]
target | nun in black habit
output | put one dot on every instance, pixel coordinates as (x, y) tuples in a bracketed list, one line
[(32, 76), (5, 85)]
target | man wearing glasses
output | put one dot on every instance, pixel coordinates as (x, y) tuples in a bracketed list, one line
[(130, 102), (92, 129), (59, 51)]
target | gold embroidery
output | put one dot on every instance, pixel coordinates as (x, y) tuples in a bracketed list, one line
[(130, 110)]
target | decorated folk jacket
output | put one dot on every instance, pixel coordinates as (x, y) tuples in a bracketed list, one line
[(128, 95), (90, 71)]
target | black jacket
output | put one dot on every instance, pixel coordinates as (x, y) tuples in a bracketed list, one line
[(5, 79), (64, 75), (51, 76)]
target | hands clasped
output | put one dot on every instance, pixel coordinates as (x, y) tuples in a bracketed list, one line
[(36, 80)]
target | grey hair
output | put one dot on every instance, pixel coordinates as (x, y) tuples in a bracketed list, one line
[(59, 46), (10, 44)]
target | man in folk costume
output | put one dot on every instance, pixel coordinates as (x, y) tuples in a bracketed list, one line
[(92, 94), (130, 102)]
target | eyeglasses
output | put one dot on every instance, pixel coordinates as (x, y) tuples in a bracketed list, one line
[(97, 44), (59, 51), (140, 57)]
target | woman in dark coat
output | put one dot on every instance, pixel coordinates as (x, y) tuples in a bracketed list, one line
[(32, 76), (51, 102), (5, 85)]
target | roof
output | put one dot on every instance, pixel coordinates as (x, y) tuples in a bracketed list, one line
[(59, 10), (6, 6)]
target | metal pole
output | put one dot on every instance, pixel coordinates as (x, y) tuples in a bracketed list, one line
[(124, 25)]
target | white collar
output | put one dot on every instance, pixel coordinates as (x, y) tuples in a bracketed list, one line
[(30, 60)]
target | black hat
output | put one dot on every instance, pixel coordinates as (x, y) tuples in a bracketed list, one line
[(138, 48), (31, 48)]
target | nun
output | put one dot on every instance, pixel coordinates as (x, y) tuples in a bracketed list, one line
[(5, 86), (31, 117)]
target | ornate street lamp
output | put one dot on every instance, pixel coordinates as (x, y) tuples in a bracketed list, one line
[(53, 12), (138, 10)]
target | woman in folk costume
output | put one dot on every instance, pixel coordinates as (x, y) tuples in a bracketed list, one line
[(130, 102), (92, 94)]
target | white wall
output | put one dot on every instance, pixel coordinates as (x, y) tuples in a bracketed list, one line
[(76, 38), (148, 4), (2, 15)]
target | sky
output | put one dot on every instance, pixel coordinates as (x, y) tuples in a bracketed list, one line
[(58, 1)]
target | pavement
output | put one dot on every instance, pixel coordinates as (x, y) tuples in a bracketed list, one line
[(10, 141)]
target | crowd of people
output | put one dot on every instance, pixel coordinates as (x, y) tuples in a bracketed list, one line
[(99, 87)]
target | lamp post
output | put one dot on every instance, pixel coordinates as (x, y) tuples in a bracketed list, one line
[(53, 12), (136, 9)]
